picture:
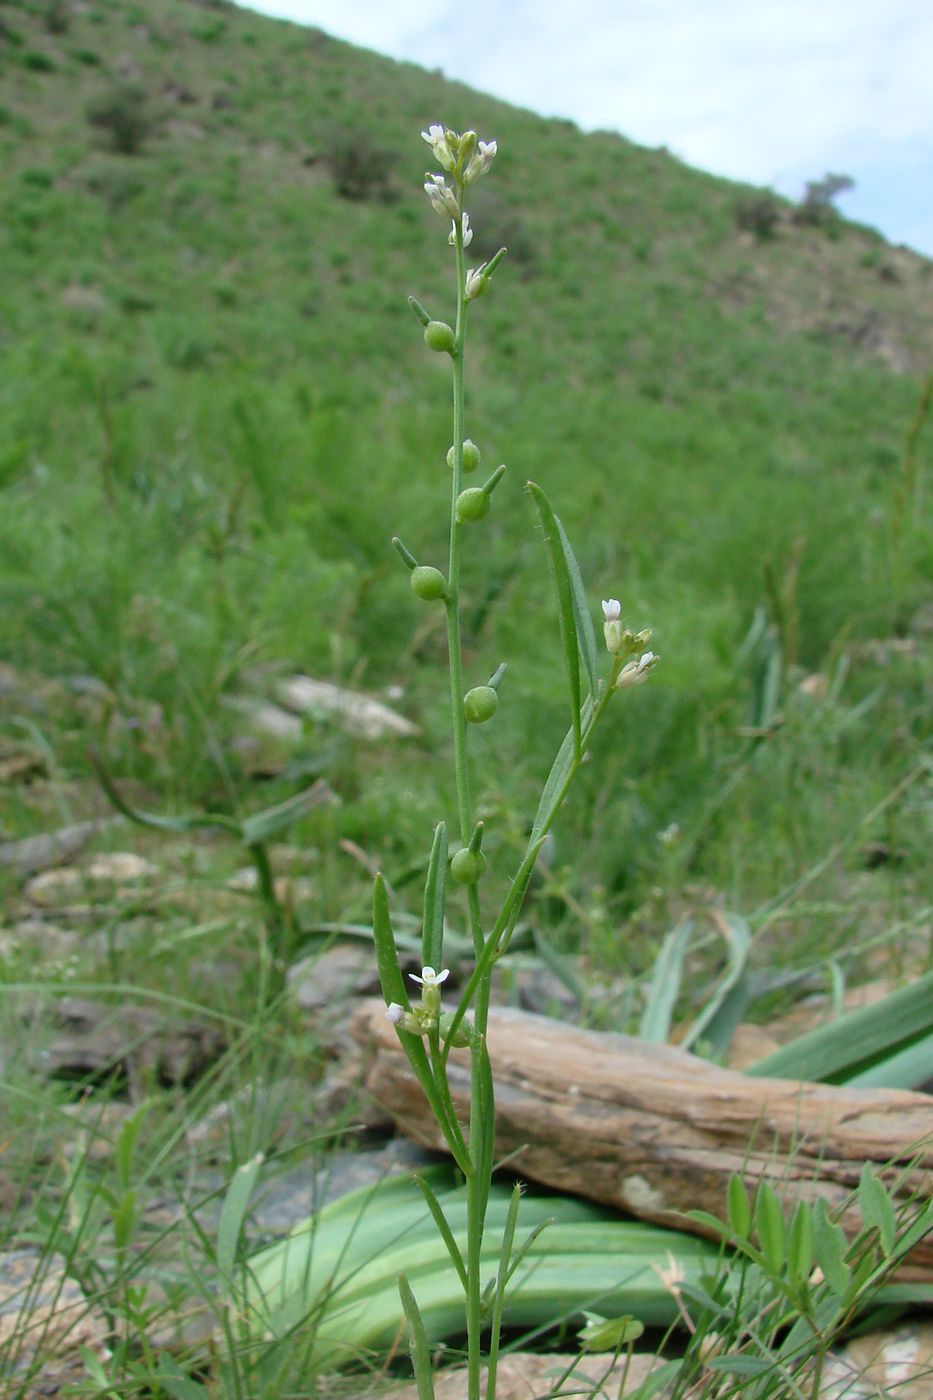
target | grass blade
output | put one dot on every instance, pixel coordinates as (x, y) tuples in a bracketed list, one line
[(665, 982), (858, 1041), (233, 1213), (418, 1338), (736, 933)]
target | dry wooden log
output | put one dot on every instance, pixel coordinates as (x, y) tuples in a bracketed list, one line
[(655, 1131)]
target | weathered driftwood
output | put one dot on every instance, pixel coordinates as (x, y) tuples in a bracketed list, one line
[(656, 1131)]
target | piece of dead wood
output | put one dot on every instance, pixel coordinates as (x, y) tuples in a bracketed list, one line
[(655, 1131)]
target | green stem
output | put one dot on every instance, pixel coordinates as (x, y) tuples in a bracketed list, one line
[(477, 1191)]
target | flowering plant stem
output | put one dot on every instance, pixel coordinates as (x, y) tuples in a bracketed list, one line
[(427, 1033)]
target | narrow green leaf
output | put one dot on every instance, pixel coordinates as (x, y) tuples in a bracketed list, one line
[(418, 1338), (739, 1210), (664, 986), (658, 1380), (417, 1057), (906, 1068), (586, 634), (390, 974), (444, 1230), (739, 1365), (877, 1208), (233, 1213), (174, 1380), (856, 1040), (830, 1246), (483, 1116), (769, 1226), (735, 932), (152, 819), (560, 770), (435, 894), (710, 1222), (565, 608), (262, 826), (800, 1245)]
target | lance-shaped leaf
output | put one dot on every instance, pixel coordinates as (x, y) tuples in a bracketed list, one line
[(435, 893), (567, 606), (714, 1024), (665, 984), (418, 1339)]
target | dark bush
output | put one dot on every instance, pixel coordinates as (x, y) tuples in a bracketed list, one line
[(759, 214), (123, 113), (361, 169), (37, 61), (817, 206), (57, 17)]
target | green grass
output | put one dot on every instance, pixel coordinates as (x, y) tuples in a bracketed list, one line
[(216, 409)]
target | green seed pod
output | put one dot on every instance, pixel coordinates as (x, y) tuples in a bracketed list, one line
[(471, 456), (472, 504), (467, 866), (480, 704), (428, 583), (439, 336)]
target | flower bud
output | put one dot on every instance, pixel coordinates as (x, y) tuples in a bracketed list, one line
[(439, 336), (480, 704), (472, 504), (471, 456), (467, 866), (428, 583)]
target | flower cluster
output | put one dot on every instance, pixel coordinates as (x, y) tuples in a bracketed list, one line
[(622, 643), (463, 157), (427, 1017)]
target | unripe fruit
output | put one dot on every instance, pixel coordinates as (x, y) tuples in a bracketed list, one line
[(480, 704), (439, 336), (428, 583), (472, 504), (467, 866), (471, 456)]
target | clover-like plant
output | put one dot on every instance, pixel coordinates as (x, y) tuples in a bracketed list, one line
[(426, 1030)]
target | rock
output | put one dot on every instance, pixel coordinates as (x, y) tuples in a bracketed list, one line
[(357, 714), (119, 875), (525, 1375), (100, 1042), (896, 1363), (35, 853), (45, 1320)]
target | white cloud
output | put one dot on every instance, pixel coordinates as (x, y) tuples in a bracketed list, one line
[(772, 93)]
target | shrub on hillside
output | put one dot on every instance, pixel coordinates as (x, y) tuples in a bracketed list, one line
[(361, 169), (817, 206), (759, 214), (124, 114)]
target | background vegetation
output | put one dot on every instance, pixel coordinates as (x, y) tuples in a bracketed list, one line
[(215, 410)]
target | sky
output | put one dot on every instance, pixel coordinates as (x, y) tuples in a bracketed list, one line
[(775, 93)]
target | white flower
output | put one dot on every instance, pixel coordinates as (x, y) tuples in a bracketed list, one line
[(395, 1013), (436, 138), (476, 282), (479, 162), (442, 197), (612, 609), (430, 978), (636, 672), (467, 232)]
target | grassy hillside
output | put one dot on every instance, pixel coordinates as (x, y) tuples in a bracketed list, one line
[(215, 409)]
